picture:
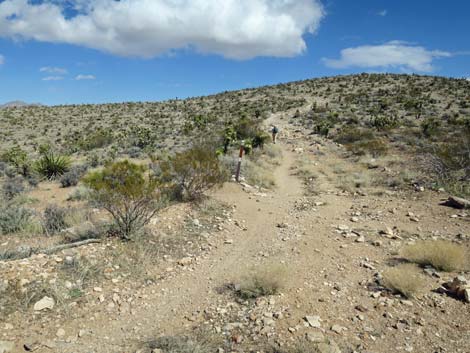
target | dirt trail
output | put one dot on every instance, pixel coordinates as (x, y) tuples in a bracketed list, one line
[(327, 277), (165, 307)]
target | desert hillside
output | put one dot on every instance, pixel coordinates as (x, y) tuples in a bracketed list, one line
[(123, 229)]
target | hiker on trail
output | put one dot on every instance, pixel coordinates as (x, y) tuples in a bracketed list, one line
[(274, 131)]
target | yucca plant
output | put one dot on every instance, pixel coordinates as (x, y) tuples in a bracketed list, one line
[(52, 166)]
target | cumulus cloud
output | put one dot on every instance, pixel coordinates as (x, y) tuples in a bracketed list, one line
[(52, 78), (238, 29), (84, 77), (53, 70), (395, 54)]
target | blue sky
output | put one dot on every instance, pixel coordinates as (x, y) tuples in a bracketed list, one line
[(93, 51)]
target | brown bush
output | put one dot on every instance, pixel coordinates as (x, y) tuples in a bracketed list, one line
[(442, 255), (404, 279)]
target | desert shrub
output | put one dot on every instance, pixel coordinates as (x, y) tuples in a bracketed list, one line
[(79, 194), (51, 165), (12, 187), (323, 127), (130, 197), (18, 158), (441, 254), (262, 282), (349, 135), (14, 218), (54, 219), (260, 139), (258, 173), (247, 128), (430, 126), (202, 343), (193, 172), (449, 163), (274, 153), (98, 139), (382, 122), (404, 279), (73, 176), (374, 147), (3, 168)]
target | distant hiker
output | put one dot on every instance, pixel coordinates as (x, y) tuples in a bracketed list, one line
[(274, 131)]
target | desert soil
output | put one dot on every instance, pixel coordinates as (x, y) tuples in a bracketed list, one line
[(329, 243)]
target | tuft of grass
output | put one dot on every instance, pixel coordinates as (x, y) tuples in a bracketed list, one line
[(404, 279), (259, 174), (262, 282), (441, 254)]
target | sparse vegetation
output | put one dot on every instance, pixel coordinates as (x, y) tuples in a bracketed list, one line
[(130, 197), (14, 218), (404, 279), (193, 172), (265, 281), (441, 254)]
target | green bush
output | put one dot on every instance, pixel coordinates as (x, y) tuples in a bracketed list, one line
[(323, 127), (14, 218), (193, 172), (384, 122), (12, 187), (374, 147), (430, 126), (18, 158), (130, 197), (52, 166)]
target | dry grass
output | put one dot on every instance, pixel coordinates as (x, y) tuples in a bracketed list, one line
[(268, 280), (304, 168), (258, 173), (404, 279), (442, 255)]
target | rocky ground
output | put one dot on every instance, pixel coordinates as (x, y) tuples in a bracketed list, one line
[(330, 245)]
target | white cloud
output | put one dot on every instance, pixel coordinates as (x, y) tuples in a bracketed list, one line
[(382, 13), (395, 54), (84, 77), (53, 78), (239, 29), (53, 70), (2, 59)]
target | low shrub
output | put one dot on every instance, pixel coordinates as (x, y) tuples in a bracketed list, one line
[(73, 176), (13, 187), (263, 282), (374, 147), (258, 173), (14, 218), (54, 219), (441, 254), (130, 197), (430, 126), (382, 122), (193, 172), (404, 279)]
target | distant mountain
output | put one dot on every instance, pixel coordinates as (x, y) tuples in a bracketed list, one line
[(18, 104)]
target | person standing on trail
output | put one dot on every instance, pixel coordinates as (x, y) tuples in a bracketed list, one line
[(274, 131)]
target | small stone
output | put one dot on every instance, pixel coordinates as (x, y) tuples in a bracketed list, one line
[(98, 289), (315, 337), (60, 332), (313, 321), (44, 303), (337, 328), (6, 346), (361, 239)]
